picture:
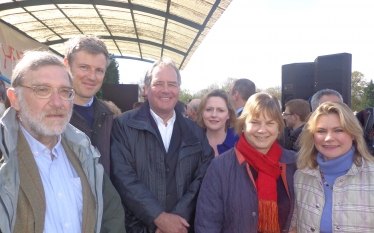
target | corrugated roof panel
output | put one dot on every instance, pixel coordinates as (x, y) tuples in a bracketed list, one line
[(195, 11), (179, 36), (177, 58), (154, 4), (150, 51), (59, 48), (184, 19), (150, 27), (41, 8), (118, 20), (128, 47)]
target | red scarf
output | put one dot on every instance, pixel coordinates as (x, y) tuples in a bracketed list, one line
[(266, 183)]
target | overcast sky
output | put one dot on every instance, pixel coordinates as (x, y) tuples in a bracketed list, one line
[(253, 39)]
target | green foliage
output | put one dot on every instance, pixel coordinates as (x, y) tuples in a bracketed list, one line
[(368, 96), (358, 85), (227, 84), (275, 91), (111, 76), (185, 95)]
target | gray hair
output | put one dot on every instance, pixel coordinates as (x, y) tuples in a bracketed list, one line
[(33, 60), (317, 96), (162, 62), (88, 43), (194, 104)]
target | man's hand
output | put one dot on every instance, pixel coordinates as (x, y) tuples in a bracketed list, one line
[(171, 223)]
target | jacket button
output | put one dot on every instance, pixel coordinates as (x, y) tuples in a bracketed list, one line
[(337, 227), (254, 214), (312, 229), (99, 125), (167, 169), (317, 205)]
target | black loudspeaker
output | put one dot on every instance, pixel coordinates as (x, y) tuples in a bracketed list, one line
[(297, 81), (122, 95), (334, 72)]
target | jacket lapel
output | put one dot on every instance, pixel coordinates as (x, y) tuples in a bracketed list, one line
[(89, 203), (30, 182)]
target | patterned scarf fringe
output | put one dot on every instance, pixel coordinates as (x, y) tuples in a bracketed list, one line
[(268, 217)]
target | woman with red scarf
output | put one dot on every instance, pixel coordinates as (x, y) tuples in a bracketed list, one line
[(249, 189)]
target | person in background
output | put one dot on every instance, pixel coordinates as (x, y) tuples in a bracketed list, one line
[(51, 179), (239, 93), (249, 188), (181, 107), (3, 97), (217, 116), (159, 157), (137, 105), (334, 184), (295, 116), (113, 107), (87, 58), (325, 95), (192, 109)]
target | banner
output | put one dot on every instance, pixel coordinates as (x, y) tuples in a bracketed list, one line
[(13, 45)]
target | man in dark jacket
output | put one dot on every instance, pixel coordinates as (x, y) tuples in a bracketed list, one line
[(87, 58), (159, 158), (295, 116)]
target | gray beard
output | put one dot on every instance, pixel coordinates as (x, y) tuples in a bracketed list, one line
[(37, 125)]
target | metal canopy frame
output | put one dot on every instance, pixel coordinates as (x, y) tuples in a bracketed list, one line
[(132, 29)]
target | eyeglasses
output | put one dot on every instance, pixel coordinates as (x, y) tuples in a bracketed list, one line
[(287, 114), (44, 92)]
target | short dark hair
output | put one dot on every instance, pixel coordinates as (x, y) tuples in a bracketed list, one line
[(299, 107), (244, 87), (88, 43)]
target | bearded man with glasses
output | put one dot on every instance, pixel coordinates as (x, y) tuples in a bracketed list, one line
[(50, 179)]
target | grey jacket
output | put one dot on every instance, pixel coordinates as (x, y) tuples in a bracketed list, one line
[(138, 168), (86, 154)]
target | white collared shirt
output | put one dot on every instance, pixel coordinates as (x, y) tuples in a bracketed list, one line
[(89, 103), (62, 187), (165, 131)]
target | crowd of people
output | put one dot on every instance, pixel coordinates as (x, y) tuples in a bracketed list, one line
[(231, 162)]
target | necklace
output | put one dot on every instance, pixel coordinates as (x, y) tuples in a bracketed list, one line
[(324, 181)]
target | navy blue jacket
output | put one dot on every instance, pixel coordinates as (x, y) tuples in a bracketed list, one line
[(138, 168), (228, 200)]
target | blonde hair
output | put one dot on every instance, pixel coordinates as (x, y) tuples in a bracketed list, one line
[(216, 93), (308, 153), (257, 104)]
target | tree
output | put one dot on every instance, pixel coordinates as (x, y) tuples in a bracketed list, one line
[(111, 76), (185, 96), (275, 91), (227, 84), (200, 94), (358, 85), (368, 96)]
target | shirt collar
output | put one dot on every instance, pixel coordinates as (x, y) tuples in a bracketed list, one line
[(89, 103), (159, 120), (239, 110), (37, 147)]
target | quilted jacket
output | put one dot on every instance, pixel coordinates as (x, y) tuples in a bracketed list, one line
[(228, 201), (353, 200)]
